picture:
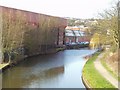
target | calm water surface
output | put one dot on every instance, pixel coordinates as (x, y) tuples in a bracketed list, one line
[(60, 70)]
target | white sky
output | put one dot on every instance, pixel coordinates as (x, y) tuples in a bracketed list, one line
[(62, 8)]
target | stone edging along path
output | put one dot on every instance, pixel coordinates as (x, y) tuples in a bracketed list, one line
[(103, 72), (85, 82)]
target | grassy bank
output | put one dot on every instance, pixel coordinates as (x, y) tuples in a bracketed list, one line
[(108, 68), (92, 76)]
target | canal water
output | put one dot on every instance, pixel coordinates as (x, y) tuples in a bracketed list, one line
[(60, 70)]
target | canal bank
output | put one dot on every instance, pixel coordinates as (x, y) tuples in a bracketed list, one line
[(5, 66), (85, 82), (59, 70), (91, 76)]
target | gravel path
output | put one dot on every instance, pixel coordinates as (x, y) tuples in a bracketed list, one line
[(104, 72)]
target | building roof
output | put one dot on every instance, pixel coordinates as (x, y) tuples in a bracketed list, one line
[(74, 33), (72, 28), (69, 33)]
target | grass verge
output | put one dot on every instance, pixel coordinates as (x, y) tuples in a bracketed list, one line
[(93, 77)]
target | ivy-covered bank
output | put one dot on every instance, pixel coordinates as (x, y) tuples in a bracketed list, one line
[(92, 77)]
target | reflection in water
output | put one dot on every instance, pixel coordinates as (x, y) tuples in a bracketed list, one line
[(47, 77), (60, 70), (31, 79)]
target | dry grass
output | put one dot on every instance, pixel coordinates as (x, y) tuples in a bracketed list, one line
[(119, 62), (112, 62)]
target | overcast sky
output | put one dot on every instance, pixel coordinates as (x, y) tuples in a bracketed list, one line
[(62, 8)]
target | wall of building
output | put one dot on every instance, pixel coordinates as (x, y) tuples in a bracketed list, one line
[(26, 33)]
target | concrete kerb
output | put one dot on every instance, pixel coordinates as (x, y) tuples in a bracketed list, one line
[(85, 82)]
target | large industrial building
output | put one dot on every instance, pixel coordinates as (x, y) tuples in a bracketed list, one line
[(26, 33)]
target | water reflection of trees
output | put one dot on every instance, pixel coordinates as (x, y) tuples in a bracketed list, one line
[(19, 81)]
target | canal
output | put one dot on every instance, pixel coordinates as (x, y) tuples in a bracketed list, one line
[(59, 70)]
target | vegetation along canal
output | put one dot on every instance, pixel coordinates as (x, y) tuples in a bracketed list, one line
[(60, 70)]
